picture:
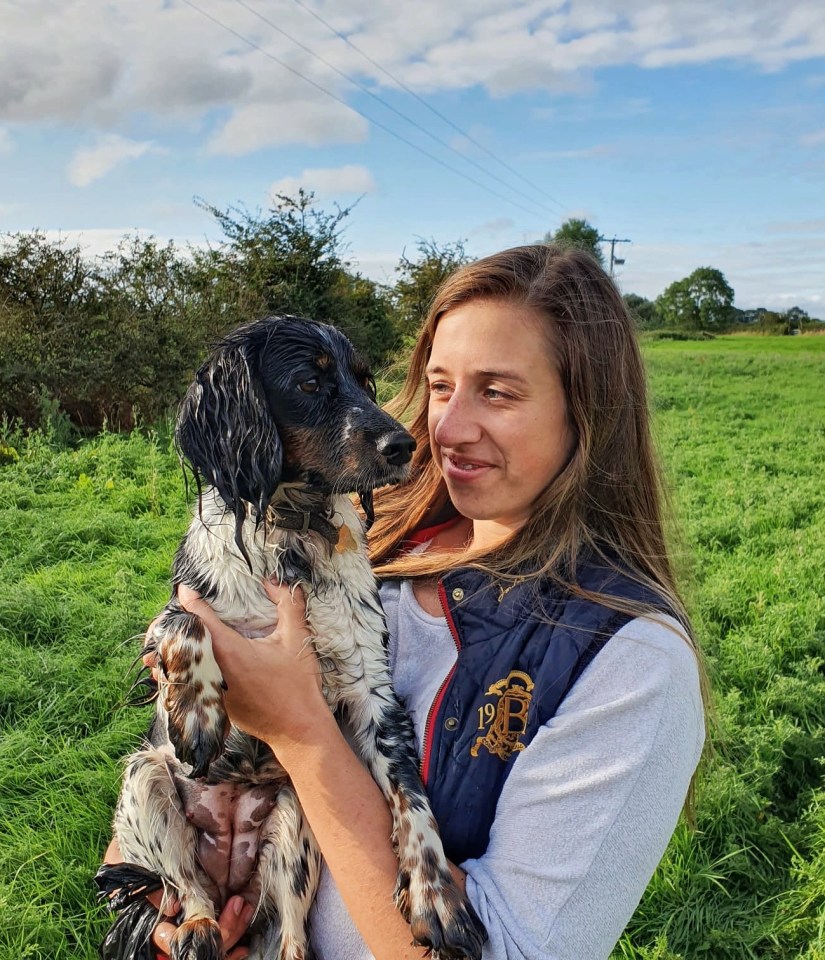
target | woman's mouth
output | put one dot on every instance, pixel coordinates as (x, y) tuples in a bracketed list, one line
[(462, 469)]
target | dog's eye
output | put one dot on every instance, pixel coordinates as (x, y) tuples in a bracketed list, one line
[(310, 386)]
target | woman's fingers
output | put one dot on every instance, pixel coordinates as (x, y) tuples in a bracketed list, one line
[(162, 937), (191, 601), (233, 922), (156, 899), (292, 608), (150, 659)]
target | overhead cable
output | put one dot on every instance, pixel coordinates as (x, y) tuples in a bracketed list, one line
[(370, 93), (360, 113), (428, 105)]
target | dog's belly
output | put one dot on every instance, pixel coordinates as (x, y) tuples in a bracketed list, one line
[(228, 817)]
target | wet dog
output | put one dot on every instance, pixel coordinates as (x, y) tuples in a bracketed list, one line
[(279, 427)]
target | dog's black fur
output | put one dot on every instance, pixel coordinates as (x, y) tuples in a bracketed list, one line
[(280, 424)]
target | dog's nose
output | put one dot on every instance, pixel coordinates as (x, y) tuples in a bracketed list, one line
[(396, 448)]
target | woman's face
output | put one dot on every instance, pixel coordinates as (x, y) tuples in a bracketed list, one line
[(497, 412)]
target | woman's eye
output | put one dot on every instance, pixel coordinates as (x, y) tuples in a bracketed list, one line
[(493, 394), (438, 387), (310, 386)]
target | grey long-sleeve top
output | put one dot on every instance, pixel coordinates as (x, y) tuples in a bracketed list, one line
[(589, 806)]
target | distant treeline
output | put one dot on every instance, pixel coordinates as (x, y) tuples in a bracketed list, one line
[(116, 339)]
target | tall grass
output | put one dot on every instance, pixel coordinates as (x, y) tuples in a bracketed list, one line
[(86, 540)]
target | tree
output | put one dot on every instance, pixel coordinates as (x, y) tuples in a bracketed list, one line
[(702, 301), (290, 259), (419, 279), (643, 311), (579, 234), (159, 330), (49, 323)]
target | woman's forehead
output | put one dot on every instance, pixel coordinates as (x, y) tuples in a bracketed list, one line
[(492, 336)]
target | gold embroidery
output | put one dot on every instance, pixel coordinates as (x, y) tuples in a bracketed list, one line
[(503, 591), (510, 720)]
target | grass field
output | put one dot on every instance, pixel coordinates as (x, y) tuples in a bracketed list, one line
[(87, 536)]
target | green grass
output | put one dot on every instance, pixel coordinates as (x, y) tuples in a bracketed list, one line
[(86, 540)]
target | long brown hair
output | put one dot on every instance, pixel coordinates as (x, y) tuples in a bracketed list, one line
[(607, 503)]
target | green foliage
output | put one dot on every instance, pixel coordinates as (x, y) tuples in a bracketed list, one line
[(419, 279), (643, 311), (291, 260), (580, 234), (702, 301), (48, 302), (117, 340), (86, 540)]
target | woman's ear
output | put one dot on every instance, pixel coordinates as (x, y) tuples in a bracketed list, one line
[(226, 431)]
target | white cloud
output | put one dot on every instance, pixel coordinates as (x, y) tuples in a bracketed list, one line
[(98, 241), (309, 122), (167, 61), (797, 226), (583, 153), (377, 265), (91, 163), (813, 139), (501, 226), (327, 182), (775, 273)]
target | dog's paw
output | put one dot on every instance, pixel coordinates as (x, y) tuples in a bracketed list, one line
[(198, 728), (443, 920), (197, 940)]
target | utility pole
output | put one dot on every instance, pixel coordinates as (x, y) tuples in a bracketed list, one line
[(613, 258)]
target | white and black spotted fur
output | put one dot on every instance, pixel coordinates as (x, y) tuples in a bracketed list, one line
[(280, 424)]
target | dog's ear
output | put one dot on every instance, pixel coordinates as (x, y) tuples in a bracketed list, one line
[(226, 431)]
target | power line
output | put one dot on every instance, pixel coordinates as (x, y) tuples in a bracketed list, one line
[(365, 89), (429, 106), (360, 113)]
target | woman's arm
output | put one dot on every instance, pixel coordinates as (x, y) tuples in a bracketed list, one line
[(591, 803), (274, 693)]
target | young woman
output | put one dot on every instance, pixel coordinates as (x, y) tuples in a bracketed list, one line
[(537, 636)]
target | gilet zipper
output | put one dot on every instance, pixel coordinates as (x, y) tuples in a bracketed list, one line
[(436, 704)]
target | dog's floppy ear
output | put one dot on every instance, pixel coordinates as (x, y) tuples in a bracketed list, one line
[(226, 431)]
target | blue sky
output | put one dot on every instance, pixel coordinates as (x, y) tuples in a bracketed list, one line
[(697, 129)]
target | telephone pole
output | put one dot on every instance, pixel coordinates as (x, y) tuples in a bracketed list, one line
[(613, 258)]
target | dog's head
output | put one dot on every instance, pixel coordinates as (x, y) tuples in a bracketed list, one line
[(288, 399)]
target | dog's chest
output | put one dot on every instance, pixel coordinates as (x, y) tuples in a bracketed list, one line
[(343, 609)]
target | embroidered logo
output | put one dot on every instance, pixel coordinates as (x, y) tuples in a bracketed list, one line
[(507, 719)]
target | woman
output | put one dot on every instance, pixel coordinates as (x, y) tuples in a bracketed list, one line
[(537, 636)]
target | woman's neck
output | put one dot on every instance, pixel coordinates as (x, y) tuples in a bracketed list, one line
[(478, 535)]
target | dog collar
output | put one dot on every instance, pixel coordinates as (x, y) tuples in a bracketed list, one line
[(302, 521)]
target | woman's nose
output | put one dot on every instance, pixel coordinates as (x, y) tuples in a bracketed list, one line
[(458, 423)]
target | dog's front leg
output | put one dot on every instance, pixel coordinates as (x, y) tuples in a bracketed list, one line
[(439, 914), (191, 688)]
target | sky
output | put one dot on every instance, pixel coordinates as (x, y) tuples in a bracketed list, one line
[(694, 129)]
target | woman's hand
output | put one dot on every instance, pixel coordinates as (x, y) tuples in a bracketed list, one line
[(273, 682), (233, 920)]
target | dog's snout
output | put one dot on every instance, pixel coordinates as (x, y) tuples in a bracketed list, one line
[(396, 448)]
